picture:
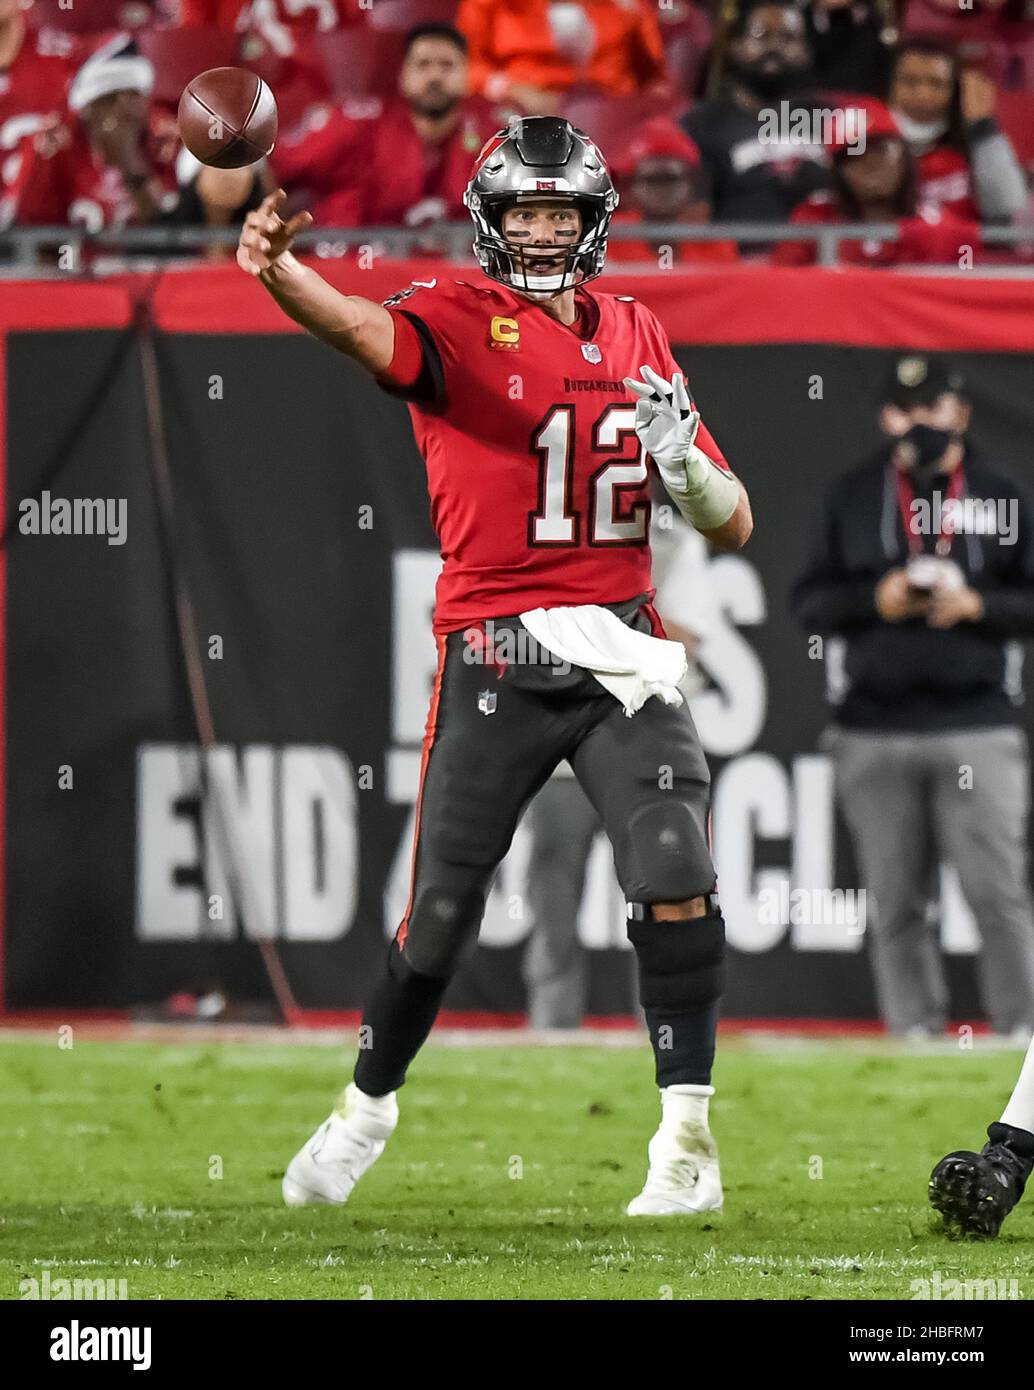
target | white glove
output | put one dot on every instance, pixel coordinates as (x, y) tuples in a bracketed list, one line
[(667, 425)]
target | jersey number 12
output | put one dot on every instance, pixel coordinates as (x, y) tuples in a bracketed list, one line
[(555, 520)]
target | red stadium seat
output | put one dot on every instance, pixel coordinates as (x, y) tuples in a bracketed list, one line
[(612, 121), (1023, 64), (180, 54), (94, 17), (687, 40), (400, 15), (361, 62), (967, 26), (1015, 112)]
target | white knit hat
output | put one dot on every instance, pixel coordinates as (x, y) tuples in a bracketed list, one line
[(116, 66)]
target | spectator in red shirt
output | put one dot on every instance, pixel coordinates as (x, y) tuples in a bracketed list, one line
[(283, 35), (404, 163), (530, 52), (875, 181), (661, 167), (111, 160), (279, 23), (35, 71), (966, 164)]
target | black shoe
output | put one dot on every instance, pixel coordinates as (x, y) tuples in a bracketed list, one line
[(976, 1192)]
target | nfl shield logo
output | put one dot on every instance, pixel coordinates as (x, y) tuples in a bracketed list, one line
[(591, 352), (487, 700)]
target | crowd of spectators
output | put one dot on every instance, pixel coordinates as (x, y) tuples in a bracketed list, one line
[(741, 113)]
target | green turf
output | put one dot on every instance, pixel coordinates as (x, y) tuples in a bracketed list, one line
[(505, 1179)]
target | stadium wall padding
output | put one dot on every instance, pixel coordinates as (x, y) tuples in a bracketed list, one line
[(136, 866)]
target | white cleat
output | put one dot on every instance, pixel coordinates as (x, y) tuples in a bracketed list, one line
[(683, 1178), (327, 1167)]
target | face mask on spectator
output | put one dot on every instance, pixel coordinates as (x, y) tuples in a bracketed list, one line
[(927, 448), (919, 132)]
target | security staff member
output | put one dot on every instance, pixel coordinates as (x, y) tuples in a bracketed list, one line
[(924, 566)]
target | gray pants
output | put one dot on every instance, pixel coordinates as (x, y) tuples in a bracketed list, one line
[(910, 801)]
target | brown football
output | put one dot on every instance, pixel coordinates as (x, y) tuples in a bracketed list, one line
[(227, 118)]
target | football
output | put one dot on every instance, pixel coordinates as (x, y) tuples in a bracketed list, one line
[(228, 118)]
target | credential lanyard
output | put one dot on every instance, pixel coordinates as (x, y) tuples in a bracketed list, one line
[(910, 520)]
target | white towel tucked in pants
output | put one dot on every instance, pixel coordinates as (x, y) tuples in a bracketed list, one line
[(631, 665)]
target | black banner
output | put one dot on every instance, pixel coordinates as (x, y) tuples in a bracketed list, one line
[(138, 865)]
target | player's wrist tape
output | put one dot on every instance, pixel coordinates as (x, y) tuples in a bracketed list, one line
[(705, 494)]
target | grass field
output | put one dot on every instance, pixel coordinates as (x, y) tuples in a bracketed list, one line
[(505, 1179)]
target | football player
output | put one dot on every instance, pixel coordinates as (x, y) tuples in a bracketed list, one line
[(536, 405), (975, 1192)]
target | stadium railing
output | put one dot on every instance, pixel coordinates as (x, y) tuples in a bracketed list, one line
[(23, 249)]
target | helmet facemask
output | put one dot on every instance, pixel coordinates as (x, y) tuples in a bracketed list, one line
[(540, 159), (513, 263)]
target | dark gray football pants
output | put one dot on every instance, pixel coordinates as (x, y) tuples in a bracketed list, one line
[(495, 735)]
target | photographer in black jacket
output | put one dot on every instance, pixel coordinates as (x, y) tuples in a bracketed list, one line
[(924, 567)]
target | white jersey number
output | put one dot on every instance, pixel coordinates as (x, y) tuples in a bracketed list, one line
[(556, 520)]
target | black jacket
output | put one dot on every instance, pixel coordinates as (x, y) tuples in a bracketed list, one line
[(907, 675)]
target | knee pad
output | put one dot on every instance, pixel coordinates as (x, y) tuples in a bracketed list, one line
[(439, 926), (670, 853), (681, 964)]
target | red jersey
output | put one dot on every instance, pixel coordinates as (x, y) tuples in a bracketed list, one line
[(367, 164), (286, 30), (281, 23), (32, 91), (933, 235), (63, 180), (539, 489), (944, 179)]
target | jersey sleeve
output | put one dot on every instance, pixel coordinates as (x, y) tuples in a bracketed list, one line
[(429, 333), (415, 372), (39, 194), (705, 442)]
